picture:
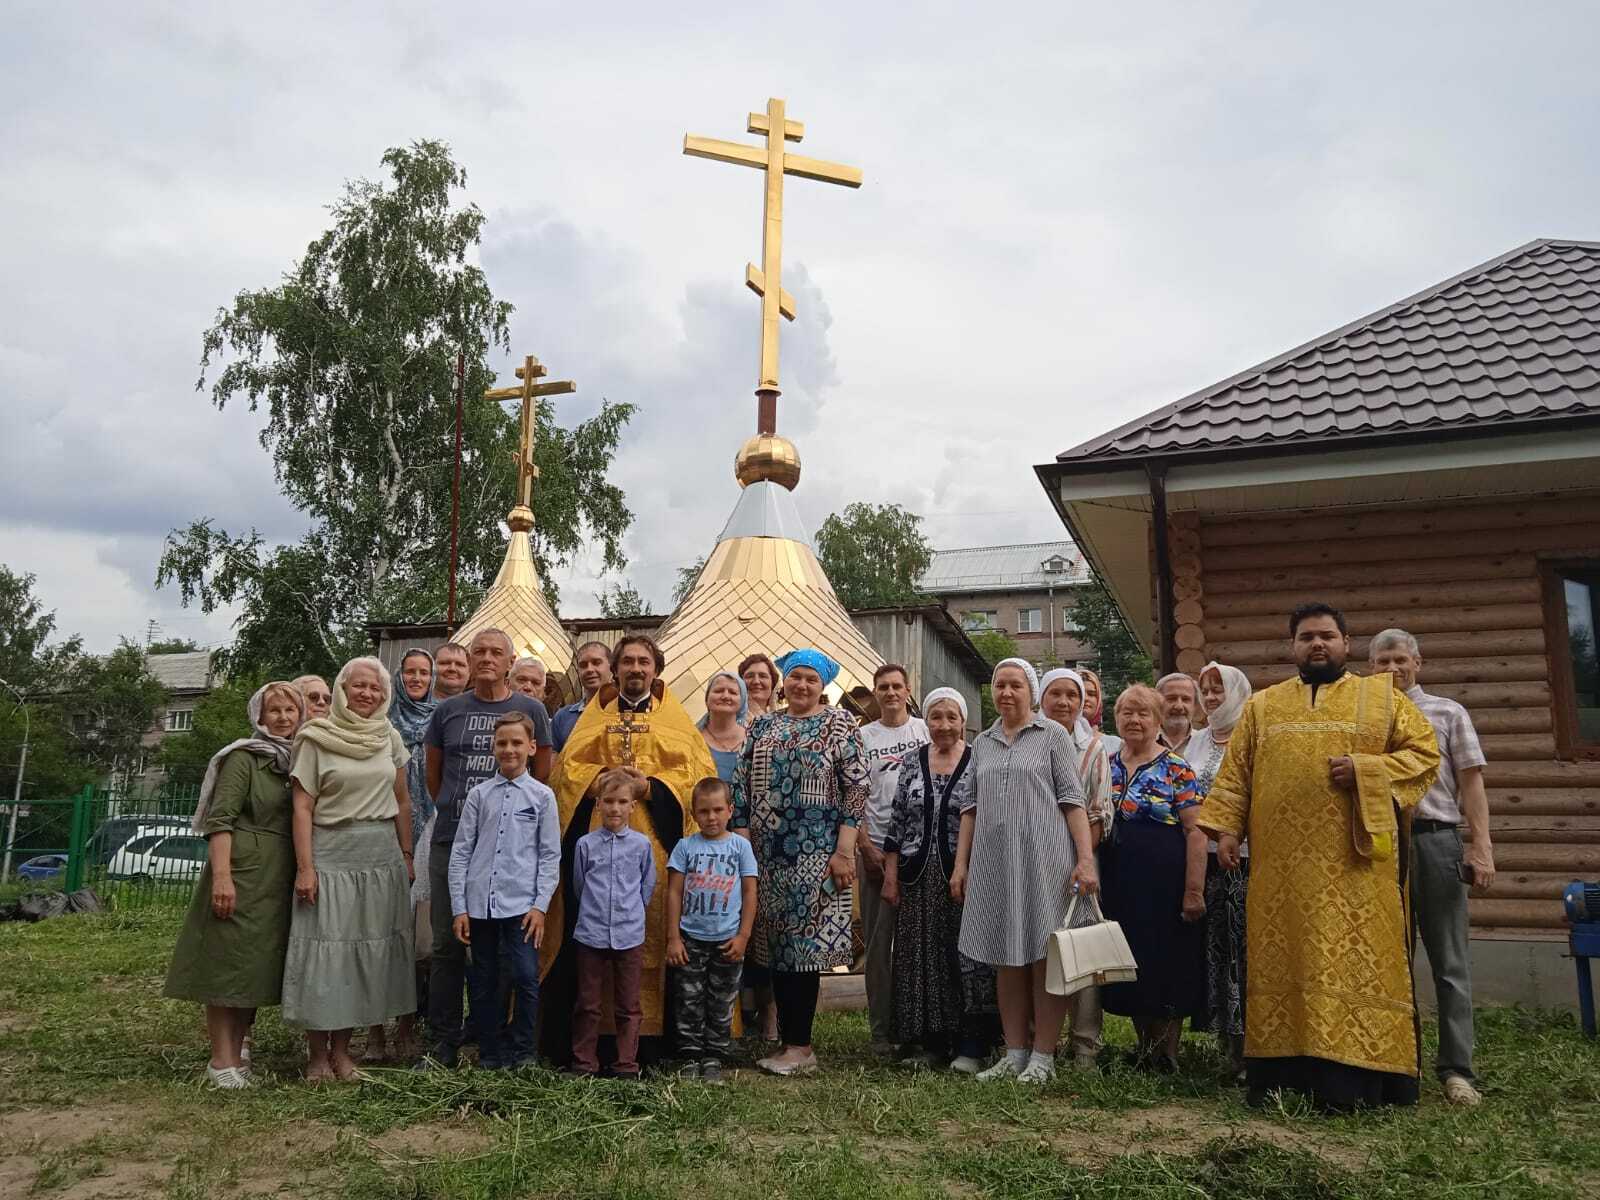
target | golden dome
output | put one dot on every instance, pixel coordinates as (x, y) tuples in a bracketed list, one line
[(768, 456)]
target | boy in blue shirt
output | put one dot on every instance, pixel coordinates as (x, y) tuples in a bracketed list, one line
[(613, 876), (504, 866), (711, 907)]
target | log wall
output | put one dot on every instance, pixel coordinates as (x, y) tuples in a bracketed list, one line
[(1462, 578)]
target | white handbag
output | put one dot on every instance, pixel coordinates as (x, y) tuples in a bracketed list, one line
[(1088, 956)]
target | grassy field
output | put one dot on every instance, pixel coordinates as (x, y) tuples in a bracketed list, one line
[(100, 1095)]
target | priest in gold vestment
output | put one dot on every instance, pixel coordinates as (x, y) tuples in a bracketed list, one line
[(1317, 775), (635, 722)]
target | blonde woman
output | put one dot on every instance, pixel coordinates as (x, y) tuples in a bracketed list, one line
[(350, 953)]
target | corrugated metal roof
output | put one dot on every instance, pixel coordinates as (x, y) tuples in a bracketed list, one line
[(182, 672), (1003, 568), (1513, 341)]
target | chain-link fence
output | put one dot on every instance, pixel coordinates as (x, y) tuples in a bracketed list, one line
[(133, 846)]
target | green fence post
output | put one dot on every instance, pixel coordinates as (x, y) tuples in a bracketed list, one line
[(78, 842)]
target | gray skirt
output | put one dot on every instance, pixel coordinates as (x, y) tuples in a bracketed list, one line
[(349, 962)]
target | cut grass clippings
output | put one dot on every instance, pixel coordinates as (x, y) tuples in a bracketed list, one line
[(101, 1093)]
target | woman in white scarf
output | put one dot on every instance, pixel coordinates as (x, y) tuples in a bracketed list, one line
[(1224, 691), (350, 954)]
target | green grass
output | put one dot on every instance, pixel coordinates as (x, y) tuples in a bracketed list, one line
[(101, 1093)]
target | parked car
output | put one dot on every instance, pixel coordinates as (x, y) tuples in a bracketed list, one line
[(161, 856), (116, 832), (43, 867)]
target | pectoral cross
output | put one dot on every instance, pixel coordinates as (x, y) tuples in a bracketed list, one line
[(767, 281), (529, 393), (626, 727)]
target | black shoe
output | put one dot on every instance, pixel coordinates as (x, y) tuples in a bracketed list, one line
[(440, 1058)]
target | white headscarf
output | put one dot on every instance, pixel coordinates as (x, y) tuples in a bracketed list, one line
[(1027, 669), (264, 744), (945, 693), (1235, 694), (1083, 730), (345, 731)]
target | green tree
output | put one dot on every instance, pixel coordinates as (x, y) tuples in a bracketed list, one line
[(172, 646), (874, 555), (113, 700), (221, 716), (27, 659), (1119, 659), (621, 601), (687, 577), (352, 357)]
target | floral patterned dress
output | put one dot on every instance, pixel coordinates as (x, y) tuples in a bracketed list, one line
[(799, 779)]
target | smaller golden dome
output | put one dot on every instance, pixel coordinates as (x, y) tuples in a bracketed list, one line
[(767, 456), (520, 519)]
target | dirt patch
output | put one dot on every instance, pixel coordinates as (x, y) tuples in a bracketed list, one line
[(437, 1139), (52, 1128)]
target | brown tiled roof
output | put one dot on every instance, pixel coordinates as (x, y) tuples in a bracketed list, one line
[(1513, 341)]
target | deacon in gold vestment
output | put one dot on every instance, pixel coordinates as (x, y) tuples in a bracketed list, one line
[(1316, 775), (643, 726)]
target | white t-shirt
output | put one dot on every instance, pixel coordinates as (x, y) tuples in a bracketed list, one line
[(885, 748)]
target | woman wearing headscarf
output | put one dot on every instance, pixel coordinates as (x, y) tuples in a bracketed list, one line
[(1224, 691), (413, 705), (1061, 698), (1155, 877), (944, 1002), (230, 950), (350, 958), (723, 726), (1094, 698), (799, 795), (1024, 851)]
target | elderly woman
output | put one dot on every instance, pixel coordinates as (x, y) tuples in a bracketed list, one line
[(723, 726), (1025, 848), (350, 958), (760, 677), (1224, 691), (317, 695), (943, 1001), (409, 713), (1155, 878), (229, 955), (1061, 698), (799, 795)]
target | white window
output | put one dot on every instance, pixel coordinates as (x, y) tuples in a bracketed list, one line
[(180, 720), (975, 619), (1068, 623), (1030, 620)]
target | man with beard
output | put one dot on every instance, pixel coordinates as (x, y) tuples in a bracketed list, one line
[(1181, 700), (634, 722), (1317, 772), (593, 661)]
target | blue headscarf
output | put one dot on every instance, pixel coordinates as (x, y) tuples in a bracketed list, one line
[(410, 717), (815, 659), (744, 699)]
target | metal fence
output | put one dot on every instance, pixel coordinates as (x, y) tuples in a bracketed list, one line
[(133, 846)]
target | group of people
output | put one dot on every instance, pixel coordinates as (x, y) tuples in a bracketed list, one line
[(622, 876)]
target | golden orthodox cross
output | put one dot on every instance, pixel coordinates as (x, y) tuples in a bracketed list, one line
[(767, 281), (529, 393), (626, 727)]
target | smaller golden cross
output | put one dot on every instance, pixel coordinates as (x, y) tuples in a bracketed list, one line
[(627, 728), (529, 394)]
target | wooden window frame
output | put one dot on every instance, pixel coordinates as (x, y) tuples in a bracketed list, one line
[(1563, 688)]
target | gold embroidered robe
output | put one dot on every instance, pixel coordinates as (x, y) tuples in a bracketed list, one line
[(1328, 965)]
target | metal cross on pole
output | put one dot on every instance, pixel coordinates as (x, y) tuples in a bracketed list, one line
[(529, 393), (767, 280)]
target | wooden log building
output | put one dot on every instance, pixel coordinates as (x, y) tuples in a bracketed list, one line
[(1434, 466)]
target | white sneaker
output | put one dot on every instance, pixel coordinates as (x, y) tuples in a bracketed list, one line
[(230, 1079), (1039, 1070), (966, 1065), (1460, 1091), (1006, 1068)]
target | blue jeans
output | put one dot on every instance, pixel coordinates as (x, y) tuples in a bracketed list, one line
[(500, 950)]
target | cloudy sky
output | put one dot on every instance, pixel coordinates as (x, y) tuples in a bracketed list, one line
[(1072, 213)]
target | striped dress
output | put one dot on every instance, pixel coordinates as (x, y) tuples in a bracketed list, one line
[(1019, 877)]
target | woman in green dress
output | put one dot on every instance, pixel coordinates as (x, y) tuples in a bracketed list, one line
[(230, 951)]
